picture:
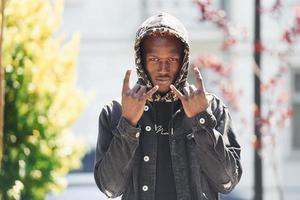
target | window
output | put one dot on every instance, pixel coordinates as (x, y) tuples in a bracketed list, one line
[(296, 126), (296, 107), (297, 83)]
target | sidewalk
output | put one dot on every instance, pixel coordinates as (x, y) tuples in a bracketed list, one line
[(81, 186)]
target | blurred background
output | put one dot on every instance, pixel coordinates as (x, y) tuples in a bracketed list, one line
[(64, 60)]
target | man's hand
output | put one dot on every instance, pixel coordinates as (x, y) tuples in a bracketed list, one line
[(134, 100), (193, 100)]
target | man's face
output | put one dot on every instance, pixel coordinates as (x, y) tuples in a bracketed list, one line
[(162, 58)]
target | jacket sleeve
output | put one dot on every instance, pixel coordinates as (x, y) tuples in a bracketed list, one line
[(217, 146), (114, 153)]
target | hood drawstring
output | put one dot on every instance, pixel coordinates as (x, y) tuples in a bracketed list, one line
[(171, 122), (154, 115)]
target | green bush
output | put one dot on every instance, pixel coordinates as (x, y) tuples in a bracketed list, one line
[(41, 101)]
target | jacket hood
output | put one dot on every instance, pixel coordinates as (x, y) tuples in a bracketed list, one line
[(162, 22)]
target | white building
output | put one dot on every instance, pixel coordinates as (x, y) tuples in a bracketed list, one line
[(107, 34)]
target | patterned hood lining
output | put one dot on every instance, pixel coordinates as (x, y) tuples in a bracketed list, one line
[(162, 22)]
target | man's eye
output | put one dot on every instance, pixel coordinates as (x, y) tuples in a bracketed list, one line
[(174, 59), (153, 59)]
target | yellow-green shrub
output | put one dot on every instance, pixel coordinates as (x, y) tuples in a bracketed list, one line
[(41, 101)]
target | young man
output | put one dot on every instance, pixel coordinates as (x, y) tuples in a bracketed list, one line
[(167, 140)]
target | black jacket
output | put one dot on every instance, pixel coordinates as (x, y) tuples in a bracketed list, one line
[(204, 150)]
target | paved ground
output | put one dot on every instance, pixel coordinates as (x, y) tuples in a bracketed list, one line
[(82, 187), (79, 193), (90, 192)]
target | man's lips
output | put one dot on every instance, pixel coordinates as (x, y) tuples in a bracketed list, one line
[(163, 79)]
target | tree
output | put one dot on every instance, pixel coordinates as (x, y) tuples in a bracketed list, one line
[(1, 82), (41, 101), (269, 96)]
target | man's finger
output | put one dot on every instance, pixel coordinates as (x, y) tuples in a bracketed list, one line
[(186, 92), (141, 91), (150, 92), (199, 80), (126, 82), (177, 92), (135, 89), (193, 90)]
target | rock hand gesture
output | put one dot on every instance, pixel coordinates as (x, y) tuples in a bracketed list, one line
[(193, 100), (134, 100)]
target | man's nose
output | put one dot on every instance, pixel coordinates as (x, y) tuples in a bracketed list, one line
[(164, 66)]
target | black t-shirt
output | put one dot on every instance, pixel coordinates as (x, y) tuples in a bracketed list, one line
[(165, 185)]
